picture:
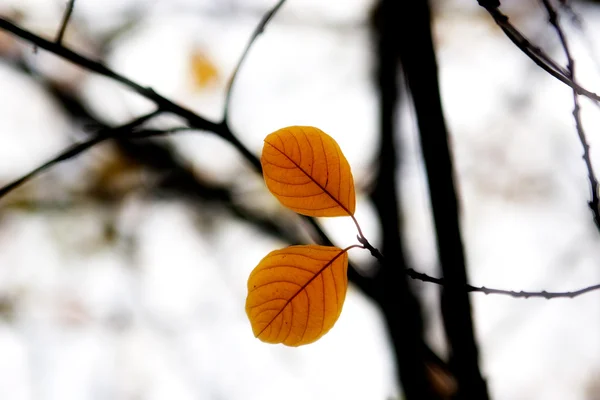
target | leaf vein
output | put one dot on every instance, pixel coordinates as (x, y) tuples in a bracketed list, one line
[(315, 209), (324, 300), (288, 183), (307, 315), (279, 166), (289, 266), (297, 196), (337, 301), (274, 282), (317, 183), (267, 301), (302, 288), (291, 323)]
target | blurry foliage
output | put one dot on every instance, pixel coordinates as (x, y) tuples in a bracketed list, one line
[(204, 71)]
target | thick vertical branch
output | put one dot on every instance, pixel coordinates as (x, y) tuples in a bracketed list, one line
[(420, 67), (399, 305)]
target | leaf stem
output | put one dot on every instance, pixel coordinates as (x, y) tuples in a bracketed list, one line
[(365, 243), (354, 246), (360, 234)]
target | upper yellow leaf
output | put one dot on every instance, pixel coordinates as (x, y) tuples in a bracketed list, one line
[(295, 295), (306, 170)]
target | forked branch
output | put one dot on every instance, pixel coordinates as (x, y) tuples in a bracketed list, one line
[(594, 203), (536, 54), (198, 122), (78, 148)]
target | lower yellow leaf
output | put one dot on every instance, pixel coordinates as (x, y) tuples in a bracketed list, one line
[(296, 294)]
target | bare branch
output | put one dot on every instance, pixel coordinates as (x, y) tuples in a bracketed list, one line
[(161, 102), (65, 21), (537, 55), (517, 294), (76, 149), (594, 204), (259, 29), (99, 68), (419, 276), (220, 129)]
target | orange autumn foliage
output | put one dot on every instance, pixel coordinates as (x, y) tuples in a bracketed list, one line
[(306, 170), (295, 295)]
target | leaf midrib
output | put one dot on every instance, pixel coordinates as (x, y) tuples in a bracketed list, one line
[(303, 287), (313, 179)]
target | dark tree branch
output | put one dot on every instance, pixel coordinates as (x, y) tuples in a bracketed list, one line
[(533, 52), (65, 21), (594, 203), (202, 124), (195, 121), (260, 28), (178, 179), (420, 68), (219, 129), (161, 102), (455, 287), (78, 148), (400, 307)]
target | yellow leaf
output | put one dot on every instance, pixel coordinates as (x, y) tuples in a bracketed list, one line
[(308, 173), (204, 72), (296, 294)]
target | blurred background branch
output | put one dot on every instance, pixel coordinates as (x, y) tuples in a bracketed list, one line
[(420, 70)]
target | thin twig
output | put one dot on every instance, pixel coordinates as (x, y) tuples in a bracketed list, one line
[(99, 68), (578, 23), (76, 149), (195, 121), (257, 31), (594, 203), (65, 21), (201, 123), (161, 102), (419, 276), (517, 294), (533, 52)]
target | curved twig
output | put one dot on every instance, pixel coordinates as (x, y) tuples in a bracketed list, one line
[(594, 203), (76, 149), (260, 28), (220, 129), (65, 21), (533, 52)]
